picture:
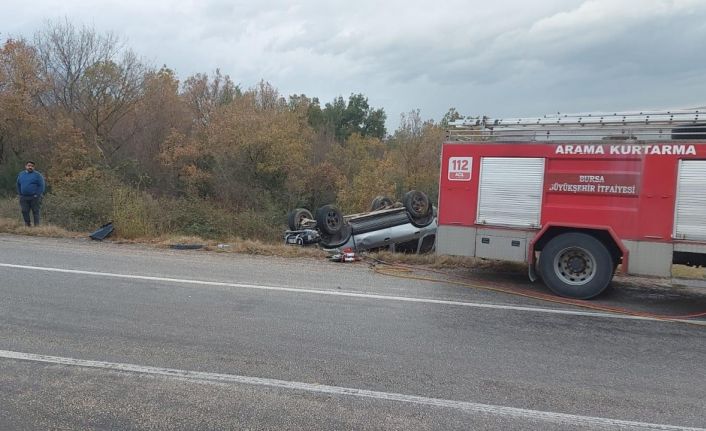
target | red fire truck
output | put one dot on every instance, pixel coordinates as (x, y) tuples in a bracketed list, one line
[(575, 196)]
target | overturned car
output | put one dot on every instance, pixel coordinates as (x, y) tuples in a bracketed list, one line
[(408, 226)]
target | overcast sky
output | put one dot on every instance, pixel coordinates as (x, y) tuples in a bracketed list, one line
[(500, 58)]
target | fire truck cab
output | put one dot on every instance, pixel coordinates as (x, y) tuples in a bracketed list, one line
[(577, 196)]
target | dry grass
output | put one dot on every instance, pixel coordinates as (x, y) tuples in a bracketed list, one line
[(9, 208), (681, 271), (458, 262), (232, 245), (255, 247), (16, 227), (265, 249)]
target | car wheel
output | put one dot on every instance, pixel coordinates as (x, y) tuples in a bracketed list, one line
[(297, 216), (337, 240), (329, 219), (417, 204), (380, 202), (576, 265)]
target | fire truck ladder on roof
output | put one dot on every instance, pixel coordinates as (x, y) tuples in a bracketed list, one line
[(643, 125)]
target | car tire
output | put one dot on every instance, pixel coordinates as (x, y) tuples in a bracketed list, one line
[(576, 265), (296, 216), (418, 207), (329, 219), (417, 204), (380, 202), (337, 240)]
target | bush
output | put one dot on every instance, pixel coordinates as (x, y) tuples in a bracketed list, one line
[(134, 213), (262, 226), (10, 208), (192, 216), (81, 202), (85, 202)]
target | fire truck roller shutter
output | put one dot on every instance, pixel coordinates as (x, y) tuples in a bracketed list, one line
[(510, 191), (690, 214), (576, 265)]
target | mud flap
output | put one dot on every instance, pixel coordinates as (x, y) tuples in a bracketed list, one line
[(532, 273)]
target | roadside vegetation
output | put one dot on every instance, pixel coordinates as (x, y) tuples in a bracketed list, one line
[(118, 140)]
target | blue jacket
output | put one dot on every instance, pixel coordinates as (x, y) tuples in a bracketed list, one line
[(30, 184)]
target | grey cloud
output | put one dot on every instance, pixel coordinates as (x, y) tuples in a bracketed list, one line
[(506, 56)]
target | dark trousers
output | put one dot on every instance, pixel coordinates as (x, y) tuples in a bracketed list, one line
[(30, 203)]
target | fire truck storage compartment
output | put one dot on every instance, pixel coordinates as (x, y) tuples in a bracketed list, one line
[(503, 244), (510, 191), (690, 217), (456, 240)]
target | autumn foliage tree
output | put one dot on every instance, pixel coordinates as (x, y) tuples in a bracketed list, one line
[(415, 151), (92, 78), (261, 150), (22, 126), (199, 155)]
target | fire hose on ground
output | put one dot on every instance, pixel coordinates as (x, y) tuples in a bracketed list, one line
[(406, 271)]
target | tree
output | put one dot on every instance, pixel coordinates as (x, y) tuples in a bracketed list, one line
[(20, 119), (261, 150), (355, 152), (160, 112), (93, 79), (414, 151), (373, 178), (450, 116), (190, 165), (374, 124), (204, 94), (71, 157), (354, 117)]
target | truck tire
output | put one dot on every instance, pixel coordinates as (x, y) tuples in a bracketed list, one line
[(329, 219), (296, 216), (380, 202), (576, 265)]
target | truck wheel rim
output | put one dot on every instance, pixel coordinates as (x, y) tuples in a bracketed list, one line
[(575, 266)]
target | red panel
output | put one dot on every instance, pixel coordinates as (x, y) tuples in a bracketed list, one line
[(645, 212), (586, 207), (658, 198), (458, 197)]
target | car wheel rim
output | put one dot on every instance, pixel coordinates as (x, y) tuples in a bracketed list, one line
[(332, 220), (418, 204), (575, 266)]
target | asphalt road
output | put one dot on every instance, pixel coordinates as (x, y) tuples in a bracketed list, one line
[(106, 336)]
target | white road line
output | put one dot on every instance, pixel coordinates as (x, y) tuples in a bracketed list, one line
[(331, 292), (487, 409)]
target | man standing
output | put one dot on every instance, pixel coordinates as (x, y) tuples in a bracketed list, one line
[(30, 188)]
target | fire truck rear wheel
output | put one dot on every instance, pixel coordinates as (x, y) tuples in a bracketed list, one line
[(576, 265)]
